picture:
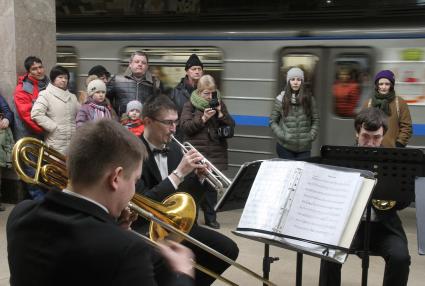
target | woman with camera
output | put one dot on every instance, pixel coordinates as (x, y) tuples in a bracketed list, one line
[(207, 124)]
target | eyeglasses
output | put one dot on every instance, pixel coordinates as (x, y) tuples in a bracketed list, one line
[(168, 122)]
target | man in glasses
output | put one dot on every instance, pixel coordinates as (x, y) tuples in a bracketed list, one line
[(387, 236), (167, 170)]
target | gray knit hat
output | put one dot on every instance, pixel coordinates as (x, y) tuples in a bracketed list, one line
[(95, 85), (295, 72), (134, 104)]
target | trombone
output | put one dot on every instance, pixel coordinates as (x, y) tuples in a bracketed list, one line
[(176, 214), (214, 177)]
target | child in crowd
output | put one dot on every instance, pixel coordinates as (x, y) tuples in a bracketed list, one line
[(131, 120), (96, 105)]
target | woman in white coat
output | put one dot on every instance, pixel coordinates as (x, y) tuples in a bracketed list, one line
[(55, 110)]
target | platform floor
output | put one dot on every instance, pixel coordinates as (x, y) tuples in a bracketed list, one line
[(282, 271)]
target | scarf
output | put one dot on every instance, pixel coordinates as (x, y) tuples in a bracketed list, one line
[(295, 99), (382, 101), (201, 103), (100, 111)]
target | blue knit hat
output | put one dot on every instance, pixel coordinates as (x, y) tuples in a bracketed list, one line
[(385, 74)]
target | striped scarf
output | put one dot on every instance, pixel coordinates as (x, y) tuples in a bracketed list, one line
[(100, 111)]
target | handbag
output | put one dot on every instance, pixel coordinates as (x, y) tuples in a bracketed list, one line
[(225, 131)]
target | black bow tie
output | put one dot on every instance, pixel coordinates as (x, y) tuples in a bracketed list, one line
[(163, 151)]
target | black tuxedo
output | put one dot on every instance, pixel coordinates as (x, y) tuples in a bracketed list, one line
[(66, 240), (151, 185), (387, 239)]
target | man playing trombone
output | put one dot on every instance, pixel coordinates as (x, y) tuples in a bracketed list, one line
[(81, 236), (167, 170)]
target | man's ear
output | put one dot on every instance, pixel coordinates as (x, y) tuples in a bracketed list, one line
[(114, 177)]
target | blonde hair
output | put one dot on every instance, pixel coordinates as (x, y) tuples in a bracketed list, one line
[(206, 82)]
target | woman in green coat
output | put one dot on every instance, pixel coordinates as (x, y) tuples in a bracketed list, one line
[(294, 118)]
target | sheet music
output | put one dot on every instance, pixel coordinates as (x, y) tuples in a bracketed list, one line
[(322, 204), (268, 197)]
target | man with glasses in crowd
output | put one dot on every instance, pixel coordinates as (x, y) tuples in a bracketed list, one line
[(167, 171)]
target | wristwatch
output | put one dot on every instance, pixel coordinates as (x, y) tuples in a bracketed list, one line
[(178, 175)]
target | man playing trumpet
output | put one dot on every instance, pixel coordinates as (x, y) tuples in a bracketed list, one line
[(167, 170), (80, 236)]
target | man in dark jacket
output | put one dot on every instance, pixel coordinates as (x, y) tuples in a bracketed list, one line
[(6, 138), (167, 171), (81, 236), (137, 83), (181, 93), (387, 236)]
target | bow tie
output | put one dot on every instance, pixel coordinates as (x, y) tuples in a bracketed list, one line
[(163, 151)]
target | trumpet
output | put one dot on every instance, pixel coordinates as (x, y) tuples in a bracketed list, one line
[(383, 205), (214, 177), (176, 214)]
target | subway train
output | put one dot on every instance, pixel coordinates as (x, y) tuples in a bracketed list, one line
[(250, 69)]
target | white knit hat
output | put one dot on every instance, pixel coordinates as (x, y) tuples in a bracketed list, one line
[(95, 85), (134, 104), (295, 72)]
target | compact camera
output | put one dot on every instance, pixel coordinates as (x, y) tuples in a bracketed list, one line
[(214, 100)]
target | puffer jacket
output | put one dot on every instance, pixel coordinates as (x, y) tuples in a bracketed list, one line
[(55, 110), (124, 88), (87, 112), (203, 136), (297, 131)]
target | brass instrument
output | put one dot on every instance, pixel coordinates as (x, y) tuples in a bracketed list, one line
[(383, 205), (176, 214), (215, 177)]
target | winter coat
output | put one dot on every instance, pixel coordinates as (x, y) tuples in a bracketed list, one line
[(135, 126), (6, 146), (87, 112), (26, 93), (55, 110), (347, 95), (203, 136), (297, 131), (399, 123), (124, 88)]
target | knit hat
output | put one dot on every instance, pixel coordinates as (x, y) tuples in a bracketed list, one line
[(193, 61), (295, 72), (99, 71), (57, 71), (96, 85), (134, 104), (385, 74)]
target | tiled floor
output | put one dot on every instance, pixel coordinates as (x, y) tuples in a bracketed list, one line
[(282, 271)]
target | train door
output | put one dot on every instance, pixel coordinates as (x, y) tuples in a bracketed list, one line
[(340, 80)]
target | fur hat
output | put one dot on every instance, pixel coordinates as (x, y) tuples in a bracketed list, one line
[(193, 61), (134, 104), (95, 85), (57, 71), (385, 74), (295, 72), (99, 71)]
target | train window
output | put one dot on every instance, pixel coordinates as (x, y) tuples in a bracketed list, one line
[(351, 84), (306, 62), (168, 63), (67, 57)]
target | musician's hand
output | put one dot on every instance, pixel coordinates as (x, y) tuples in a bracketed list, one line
[(179, 258), (202, 171), (126, 218), (208, 113), (189, 162)]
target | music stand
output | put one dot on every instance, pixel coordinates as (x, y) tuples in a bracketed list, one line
[(396, 170)]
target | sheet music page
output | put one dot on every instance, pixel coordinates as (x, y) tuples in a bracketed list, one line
[(266, 202), (322, 204)]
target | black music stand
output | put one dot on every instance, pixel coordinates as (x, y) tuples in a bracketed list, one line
[(396, 170)]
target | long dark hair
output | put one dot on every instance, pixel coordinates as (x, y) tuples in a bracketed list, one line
[(304, 98)]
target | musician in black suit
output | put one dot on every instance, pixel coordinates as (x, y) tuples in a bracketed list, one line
[(387, 236), (167, 170), (81, 236)]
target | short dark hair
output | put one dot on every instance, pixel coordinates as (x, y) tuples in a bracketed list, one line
[(155, 104), (29, 61), (139, 53), (99, 70), (371, 119), (57, 71), (101, 145)]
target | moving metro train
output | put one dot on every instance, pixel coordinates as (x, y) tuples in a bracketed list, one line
[(250, 68)]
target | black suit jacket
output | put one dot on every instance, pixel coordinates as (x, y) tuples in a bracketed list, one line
[(65, 240)]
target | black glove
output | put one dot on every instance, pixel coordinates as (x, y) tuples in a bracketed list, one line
[(398, 144)]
